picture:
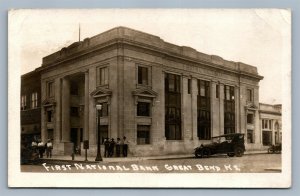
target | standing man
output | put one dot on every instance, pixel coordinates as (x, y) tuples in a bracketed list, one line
[(49, 147), (41, 148), (125, 146), (106, 147), (118, 150), (111, 147)]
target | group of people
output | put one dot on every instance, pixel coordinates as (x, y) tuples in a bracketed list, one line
[(39, 147), (110, 145)]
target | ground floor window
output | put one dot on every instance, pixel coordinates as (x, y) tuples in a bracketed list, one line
[(143, 134), (203, 129), (267, 138), (250, 136)]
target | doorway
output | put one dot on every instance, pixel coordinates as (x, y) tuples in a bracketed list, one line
[(76, 136)]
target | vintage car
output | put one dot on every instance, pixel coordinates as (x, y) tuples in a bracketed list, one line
[(274, 148), (28, 155), (231, 144)]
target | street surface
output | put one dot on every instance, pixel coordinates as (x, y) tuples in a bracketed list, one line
[(256, 163)]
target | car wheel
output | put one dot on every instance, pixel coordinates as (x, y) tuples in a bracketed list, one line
[(270, 150), (238, 152), (205, 152), (230, 154), (197, 154)]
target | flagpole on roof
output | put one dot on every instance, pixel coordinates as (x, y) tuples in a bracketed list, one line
[(79, 32)]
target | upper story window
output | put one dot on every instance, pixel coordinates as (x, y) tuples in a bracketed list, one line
[(49, 116), (203, 88), (104, 110), (50, 89), (249, 95), (143, 109), (172, 83), (34, 100), (143, 75), (217, 91), (102, 76), (74, 111), (74, 89), (266, 124), (229, 93), (23, 102), (189, 86), (250, 118)]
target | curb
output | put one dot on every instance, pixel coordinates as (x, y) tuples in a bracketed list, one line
[(64, 161)]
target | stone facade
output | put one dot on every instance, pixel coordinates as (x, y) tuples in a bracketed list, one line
[(30, 106), (126, 71), (270, 124)]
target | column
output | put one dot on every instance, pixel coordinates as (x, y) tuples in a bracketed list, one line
[(215, 127), (57, 128), (92, 108), (237, 109), (194, 108), (43, 112), (86, 105), (221, 108), (186, 111), (65, 110)]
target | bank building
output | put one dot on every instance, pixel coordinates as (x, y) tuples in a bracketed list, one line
[(166, 99)]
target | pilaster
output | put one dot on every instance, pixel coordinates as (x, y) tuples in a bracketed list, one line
[(194, 108), (66, 110), (221, 108)]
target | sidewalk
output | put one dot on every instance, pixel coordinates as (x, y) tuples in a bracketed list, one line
[(81, 158)]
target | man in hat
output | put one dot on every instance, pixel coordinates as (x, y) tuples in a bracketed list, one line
[(49, 147)]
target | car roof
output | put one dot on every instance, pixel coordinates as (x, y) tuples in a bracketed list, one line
[(229, 134)]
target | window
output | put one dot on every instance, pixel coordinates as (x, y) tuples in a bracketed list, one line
[(104, 110), (250, 136), (266, 124), (229, 93), (249, 95), (203, 110), (34, 100), (142, 75), (49, 116), (74, 111), (249, 118), (229, 110), (217, 91), (50, 90), (143, 134), (102, 76), (74, 88), (23, 102), (189, 86), (172, 107), (143, 109), (267, 138), (172, 83)]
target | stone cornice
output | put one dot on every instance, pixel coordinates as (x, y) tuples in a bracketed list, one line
[(122, 37)]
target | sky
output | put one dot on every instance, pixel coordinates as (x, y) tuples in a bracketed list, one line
[(259, 37)]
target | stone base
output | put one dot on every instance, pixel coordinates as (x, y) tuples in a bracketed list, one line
[(166, 147), (63, 148)]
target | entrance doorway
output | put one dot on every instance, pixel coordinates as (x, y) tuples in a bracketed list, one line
[(76, 139)]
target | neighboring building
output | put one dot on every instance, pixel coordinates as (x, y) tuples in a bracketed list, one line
[(164, 98), (31, 106), (270, 116)]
